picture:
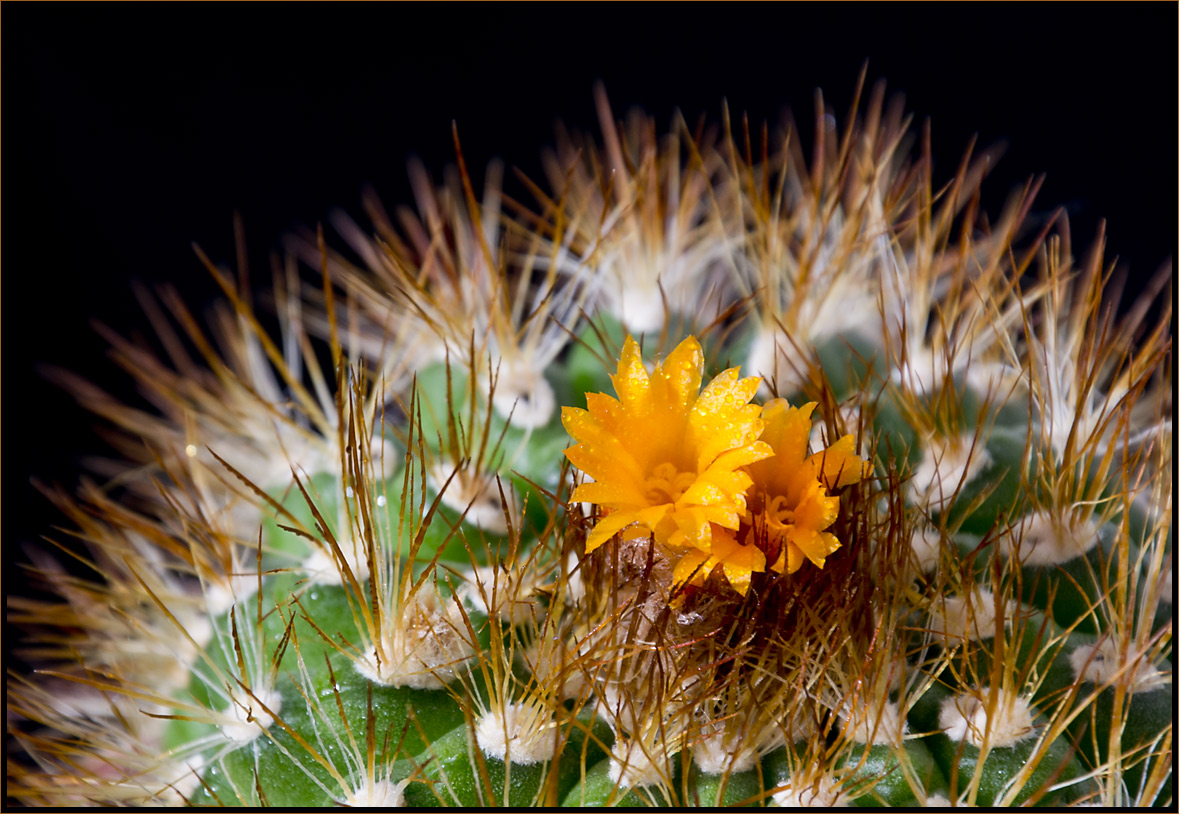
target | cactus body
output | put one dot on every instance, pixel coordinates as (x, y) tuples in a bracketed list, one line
[(397, 583)]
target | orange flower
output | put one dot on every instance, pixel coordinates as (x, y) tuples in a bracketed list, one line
[(789, 507), (667, 459)]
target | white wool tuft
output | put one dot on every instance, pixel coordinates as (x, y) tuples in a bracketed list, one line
[(965, 718), (1099, 663), (723, 752), (245, 718), (636, 769), (825, 792), (420, 646), (926, 543), (879, 724), (321, 567), (477, 495), (947, 465), (521, 732), (960, 619), (777, 360), (1043, 538), (378, 794), (525, 395)]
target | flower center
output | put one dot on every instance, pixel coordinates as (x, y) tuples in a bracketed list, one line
[(667, 484), (778, 514)]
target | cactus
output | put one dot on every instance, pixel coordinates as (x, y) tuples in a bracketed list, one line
[(710, 479)]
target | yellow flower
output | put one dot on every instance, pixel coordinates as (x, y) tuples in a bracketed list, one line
[(789, 507), (739, 562), (666, 458)]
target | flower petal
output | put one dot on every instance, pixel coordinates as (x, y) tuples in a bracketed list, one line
[(690, 568), (816, 510), (787, 430), (740, 562), (607, 494), (647, 519), (722, 417), (815, 546), (606, 528), (631, 383), (681, 372), (838, 465)]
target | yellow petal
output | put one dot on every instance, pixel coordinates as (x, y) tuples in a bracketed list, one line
[(814, 545), (787, 430), (572, 417), (743, 456), (682, 371), (606, 528), (663, 439), (690, 568), (722, 417), (740, 562), (605, 409), (612, 494), (646, 519), (631, 383), (816, 510), (691, 529), (606, 461), (790, 560), (723, 515), (838, 465)]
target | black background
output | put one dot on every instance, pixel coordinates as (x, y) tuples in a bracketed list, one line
[(132, 131)]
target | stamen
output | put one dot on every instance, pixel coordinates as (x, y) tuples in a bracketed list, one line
[(667, 484), (778, 514)]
